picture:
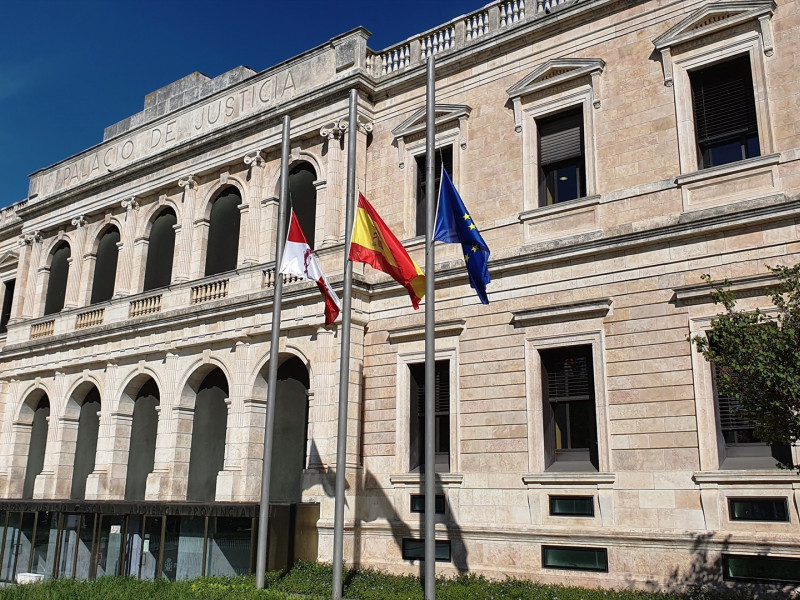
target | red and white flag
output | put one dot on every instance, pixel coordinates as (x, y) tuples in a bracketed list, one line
[(298, 259)]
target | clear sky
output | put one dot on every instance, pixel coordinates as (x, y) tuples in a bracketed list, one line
[(69, 68)]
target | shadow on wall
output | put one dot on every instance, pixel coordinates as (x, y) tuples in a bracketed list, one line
[(704, 574)]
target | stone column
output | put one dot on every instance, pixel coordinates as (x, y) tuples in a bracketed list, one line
[(55, 480), (123, 284), (270, 230), (168, 480), (251, 230), (332, 196), (139, 259), (75, 280), (184, 230), (230, 480), (99, 483), (23, 303)]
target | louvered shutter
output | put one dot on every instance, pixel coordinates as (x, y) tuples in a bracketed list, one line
[(568, 377), (723, 100), (560, 138), (728, 416), (442, 388)]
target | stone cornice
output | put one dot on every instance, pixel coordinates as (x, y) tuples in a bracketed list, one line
[(558, 313), (700, 293), (453, 328)]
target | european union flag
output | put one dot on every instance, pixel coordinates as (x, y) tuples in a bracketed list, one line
[(455, 226)]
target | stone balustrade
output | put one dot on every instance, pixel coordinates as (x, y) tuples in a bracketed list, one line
[(271, 274), (460, 32), (89, 318), (207, 292), (45, 329), (145, 306)]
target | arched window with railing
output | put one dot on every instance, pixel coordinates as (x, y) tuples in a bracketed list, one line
[(160, 251), (222, 250), (57, 279), (105, 266)]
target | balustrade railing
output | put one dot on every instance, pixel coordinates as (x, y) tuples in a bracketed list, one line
[(270, 278), (495, 16), (40, 330), (145, 306), (206, 292), (90, 318)]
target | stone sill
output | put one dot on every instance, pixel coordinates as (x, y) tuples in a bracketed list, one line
[(569, 478), (728, 169), (747, 477), (418, 479), (561, 207)]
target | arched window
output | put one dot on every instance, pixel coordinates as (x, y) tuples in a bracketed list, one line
[(57, 280), (304, 198), (142, 451), (160, 251), (207, 455), (291, 430), (86, 444), (105, 266), (223, 233), (37, 446)]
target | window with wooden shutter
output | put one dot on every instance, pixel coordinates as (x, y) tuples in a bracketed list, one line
[(442, 415), (570, 425), (724, 107), (562, 174)]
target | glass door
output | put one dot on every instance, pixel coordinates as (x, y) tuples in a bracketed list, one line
[(110, 550)]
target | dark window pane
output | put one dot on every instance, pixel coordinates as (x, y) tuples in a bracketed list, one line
[(223, 233), (228, 547), (105, 267), (303, 196), (57, 280), (579, 559), (572, 506), (758, 509), (160, 251), (207, 454), (8, 297), (761, 568), (415, 550), (561, 157), (724, 112), (442, 415), (442, 155), (418, 503), (142, 450)]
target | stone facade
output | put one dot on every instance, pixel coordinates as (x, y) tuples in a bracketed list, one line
[(615, 271)]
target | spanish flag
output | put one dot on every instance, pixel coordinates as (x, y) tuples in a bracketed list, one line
[(374, 243)]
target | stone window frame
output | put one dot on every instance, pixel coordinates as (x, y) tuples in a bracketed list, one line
[(411, 349), (712, 455), (452, 128), (559, 84), (703, 39)]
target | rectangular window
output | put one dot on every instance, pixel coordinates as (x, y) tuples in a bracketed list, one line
[(443, 155), (724, 113), (418, 503), (743, 450), (415, 550), (758, 509), (417, 416), (572, 506), (575, 559), (570, 426), (8, 297), (562, 169), (770, 569)]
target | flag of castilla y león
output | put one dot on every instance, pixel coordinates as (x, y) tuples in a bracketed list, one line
[(298, 259), (374, 243)]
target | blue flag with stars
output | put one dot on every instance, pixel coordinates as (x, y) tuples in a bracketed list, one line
[(455, 226)]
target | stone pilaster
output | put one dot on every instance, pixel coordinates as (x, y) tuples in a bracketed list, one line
[(184, 230), (75, 279), (251, 220), (23, 303), (123, 284), (331, 195), (104, 482)]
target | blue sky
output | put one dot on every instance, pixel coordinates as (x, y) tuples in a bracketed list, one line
[(69, 68)]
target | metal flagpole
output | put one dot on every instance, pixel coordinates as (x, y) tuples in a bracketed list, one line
[(344, 364), (430, 349), (272, 377)]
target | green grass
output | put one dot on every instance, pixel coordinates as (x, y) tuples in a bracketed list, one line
[(312, 580)]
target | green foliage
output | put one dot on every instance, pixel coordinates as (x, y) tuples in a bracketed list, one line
[(312, 581), (758, 357)]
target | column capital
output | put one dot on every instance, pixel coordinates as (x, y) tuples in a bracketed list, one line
[(130, 204), (189, 183), (254, 159), (28, 239), (334, 129), (79, 221)]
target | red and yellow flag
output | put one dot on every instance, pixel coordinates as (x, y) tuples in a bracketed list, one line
[(374, 243)]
